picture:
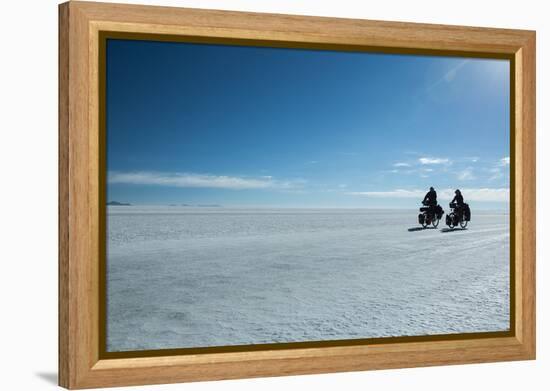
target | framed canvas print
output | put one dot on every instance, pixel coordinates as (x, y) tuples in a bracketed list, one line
[(248, 195)]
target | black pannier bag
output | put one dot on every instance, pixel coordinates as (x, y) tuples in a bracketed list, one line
[(467, 213), (439, 211), (424, 208), (421, 218)]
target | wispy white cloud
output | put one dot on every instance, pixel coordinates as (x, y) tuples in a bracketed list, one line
[(197, 180), (496, 173), (422, 166), (398, 193), (480, 194), (466, 174), (449, 76), (498, 170), (451, 73), (433, 160), (423, 172), (505, 161)]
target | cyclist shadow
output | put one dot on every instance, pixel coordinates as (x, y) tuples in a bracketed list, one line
[(444, 230), (413, 229)]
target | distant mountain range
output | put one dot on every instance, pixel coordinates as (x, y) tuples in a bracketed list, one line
[(116, 203), (199, 205)]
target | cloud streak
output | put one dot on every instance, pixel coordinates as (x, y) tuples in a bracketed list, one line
[(498, 171), (481, 194), (505, 161), (449, 76), (433, 160), (398, 193), (197, 180), (466, 175)]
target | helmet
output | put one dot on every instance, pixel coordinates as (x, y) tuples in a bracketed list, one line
[(431, 188), (457, 191)]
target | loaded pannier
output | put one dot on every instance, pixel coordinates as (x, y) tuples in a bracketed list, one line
[(467, 213)]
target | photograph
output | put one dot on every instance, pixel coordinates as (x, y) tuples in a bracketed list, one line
[(276, 195)]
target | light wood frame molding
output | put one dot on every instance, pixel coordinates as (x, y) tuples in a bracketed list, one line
[(80, 165)]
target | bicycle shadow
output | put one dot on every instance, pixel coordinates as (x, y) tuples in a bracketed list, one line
[(414, 229), (444, 230)]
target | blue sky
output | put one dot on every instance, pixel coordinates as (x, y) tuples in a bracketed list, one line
[(247, 126)]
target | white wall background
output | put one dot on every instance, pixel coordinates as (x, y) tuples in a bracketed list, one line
[(28, 195)]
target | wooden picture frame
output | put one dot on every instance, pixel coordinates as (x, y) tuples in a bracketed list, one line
[(81, 275)]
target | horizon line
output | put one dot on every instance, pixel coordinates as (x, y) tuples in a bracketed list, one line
[(216, 206)]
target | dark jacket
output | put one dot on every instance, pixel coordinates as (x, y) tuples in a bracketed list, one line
[(431, 198), (459, 200)]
